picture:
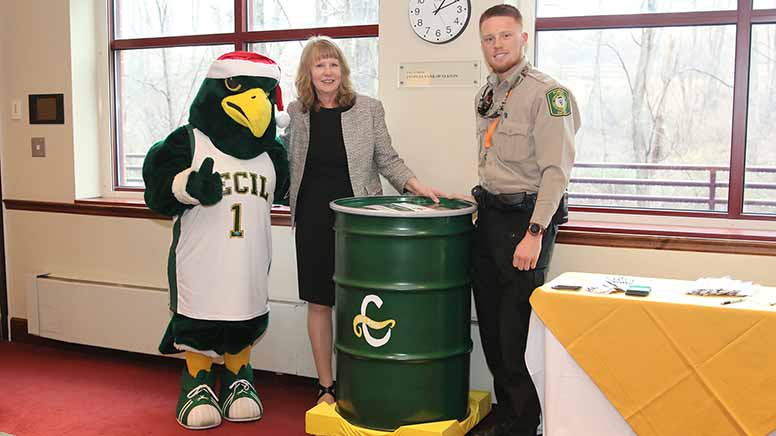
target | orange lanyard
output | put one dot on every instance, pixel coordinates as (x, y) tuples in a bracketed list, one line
[(492, 128)]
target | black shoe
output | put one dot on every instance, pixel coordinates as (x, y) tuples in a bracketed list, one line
[(514, 427), (502, 426), (494, 424), (479, 430)]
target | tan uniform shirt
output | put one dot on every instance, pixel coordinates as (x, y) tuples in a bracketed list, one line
[(533, 143)]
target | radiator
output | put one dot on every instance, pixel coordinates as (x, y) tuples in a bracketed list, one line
[(133, 318), (103, 314)]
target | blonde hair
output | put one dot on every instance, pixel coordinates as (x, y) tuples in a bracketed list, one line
[(317, 48)]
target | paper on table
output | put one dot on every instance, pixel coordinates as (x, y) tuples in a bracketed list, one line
[(724, 286)]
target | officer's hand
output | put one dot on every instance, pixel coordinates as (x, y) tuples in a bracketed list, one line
[(205, 185), (527, 252)]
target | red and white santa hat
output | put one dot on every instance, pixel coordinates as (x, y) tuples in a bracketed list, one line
[(244, 63)]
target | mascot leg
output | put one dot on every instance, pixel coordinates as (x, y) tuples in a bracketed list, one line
[(197, 403), (239, 400)]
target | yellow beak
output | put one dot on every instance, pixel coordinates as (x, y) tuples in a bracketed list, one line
[(250, 109)]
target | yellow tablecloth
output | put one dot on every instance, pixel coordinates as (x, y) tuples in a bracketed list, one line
[(670, 363)]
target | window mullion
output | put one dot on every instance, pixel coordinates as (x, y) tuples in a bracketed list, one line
[(240, 23), (665, 19), (740, 109), (764, 16), (358, 31)]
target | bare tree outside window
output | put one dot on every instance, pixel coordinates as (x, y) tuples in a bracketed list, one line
[(156, 85), (657, 82), (279, 14), (155, 18), (361, 54), (760, 153), (647, 96), (157, 88), (572, 8), (765, 4)]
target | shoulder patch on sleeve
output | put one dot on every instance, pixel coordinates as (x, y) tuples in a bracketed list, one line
[(559, 102)]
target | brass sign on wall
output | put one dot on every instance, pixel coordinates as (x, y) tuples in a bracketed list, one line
[(439, 74)]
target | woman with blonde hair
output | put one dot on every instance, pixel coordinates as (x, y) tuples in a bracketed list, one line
[(338, 146)]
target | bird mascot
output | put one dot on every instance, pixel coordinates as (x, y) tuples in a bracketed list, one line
[(218, 177)]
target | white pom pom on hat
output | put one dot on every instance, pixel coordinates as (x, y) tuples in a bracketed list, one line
[(282, 119), (245, 63)]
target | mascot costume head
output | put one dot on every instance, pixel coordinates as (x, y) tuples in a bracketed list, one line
[(218, 176)]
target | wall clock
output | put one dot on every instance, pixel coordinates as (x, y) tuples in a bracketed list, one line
[(439, 21)]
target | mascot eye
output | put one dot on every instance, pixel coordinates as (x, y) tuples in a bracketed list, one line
[(232, 84)]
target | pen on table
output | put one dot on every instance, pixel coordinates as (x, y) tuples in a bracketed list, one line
[(614, 285), (737, 300)]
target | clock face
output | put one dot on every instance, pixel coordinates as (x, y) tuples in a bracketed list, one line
[(439, 21)]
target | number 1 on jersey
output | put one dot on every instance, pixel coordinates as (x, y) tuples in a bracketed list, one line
[(237, 231)]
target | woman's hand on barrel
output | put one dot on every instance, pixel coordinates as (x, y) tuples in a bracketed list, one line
[(417, 188)]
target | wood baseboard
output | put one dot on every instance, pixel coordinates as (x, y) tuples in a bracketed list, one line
[(19, 332)]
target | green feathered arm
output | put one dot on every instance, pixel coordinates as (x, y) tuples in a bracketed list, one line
[(277, 152), (163, 162)]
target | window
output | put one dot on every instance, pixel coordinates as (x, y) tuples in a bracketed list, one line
[(565, 8), (361, 54), (162, 49), (760, 174), (662, 86)]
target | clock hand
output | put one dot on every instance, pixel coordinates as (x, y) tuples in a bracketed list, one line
[(443, 20), (441, 5)]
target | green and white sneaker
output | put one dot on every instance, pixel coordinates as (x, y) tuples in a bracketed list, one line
[(197, 403), (239, 400)]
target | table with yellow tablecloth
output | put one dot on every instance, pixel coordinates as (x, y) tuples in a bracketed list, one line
[(670, 364)]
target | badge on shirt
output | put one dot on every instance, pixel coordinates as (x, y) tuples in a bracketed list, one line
[(558, 99)]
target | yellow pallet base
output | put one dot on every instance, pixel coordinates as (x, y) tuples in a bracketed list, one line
[(323, 420)]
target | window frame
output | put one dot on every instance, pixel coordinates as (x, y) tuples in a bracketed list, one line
[(744, 17), (240, 37)]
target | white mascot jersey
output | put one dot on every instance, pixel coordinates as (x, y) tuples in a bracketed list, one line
[(223, 251)]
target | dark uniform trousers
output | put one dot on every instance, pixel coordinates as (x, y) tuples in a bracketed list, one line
[(501, 294)]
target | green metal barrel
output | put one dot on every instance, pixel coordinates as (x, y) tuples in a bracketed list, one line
[(403, 310)]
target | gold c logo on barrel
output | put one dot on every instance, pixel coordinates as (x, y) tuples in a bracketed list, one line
[(362, 323)]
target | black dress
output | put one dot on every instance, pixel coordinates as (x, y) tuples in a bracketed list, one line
[(325, 178)]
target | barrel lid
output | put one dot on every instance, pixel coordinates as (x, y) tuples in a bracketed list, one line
[(404, 206)]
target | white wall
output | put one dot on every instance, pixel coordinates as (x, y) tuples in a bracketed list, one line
[(432, 128), (4, 111), (681, 265), (4, 100), (37, 60), (86, 43)]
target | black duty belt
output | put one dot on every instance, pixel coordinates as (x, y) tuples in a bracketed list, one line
[(515, 201), (519, 201)]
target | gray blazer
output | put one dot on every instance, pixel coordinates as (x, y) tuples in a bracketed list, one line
[(367, 146)]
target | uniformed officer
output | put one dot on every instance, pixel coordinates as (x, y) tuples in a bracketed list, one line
[(526, 125)]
